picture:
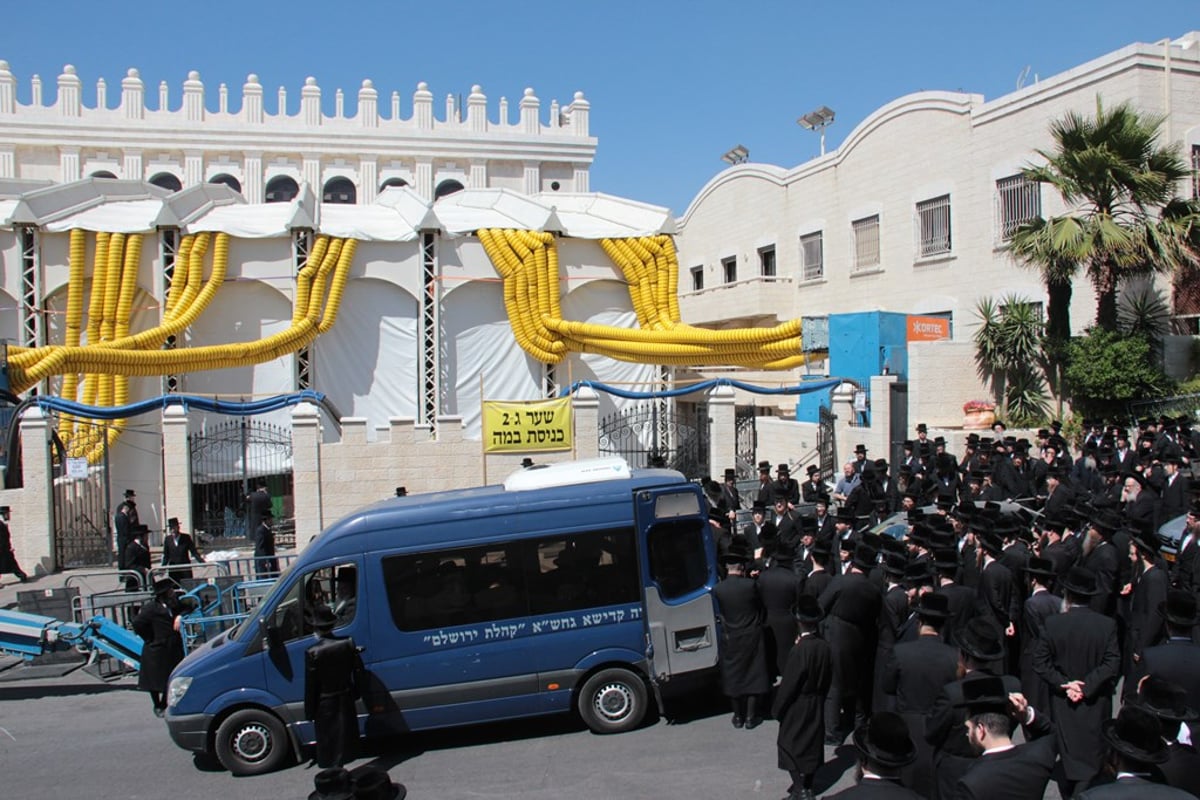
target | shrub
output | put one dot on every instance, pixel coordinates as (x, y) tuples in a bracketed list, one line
[(1107, 369)]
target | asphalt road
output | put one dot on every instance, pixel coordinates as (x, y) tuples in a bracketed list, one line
[(77, 736)]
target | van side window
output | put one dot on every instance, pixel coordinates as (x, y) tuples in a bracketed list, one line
[(678, 563), (336, 587), (584, 571), (455, 587)]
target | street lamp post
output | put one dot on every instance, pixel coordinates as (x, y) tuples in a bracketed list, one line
[(817, 121)]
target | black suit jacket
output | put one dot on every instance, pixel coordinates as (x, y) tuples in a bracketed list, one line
[(869, 789), (1133, 788), (1176, 660), (1176, 496), (998, 594), (178, 552), (1017, 774), (1105, 561), (916, 672)]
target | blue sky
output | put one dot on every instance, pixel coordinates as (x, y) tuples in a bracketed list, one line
[(673, 85)]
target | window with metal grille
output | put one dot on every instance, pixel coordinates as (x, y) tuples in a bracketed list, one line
[(697, 278), (933, 226), (1018, 200), (729, 267), (866, 242), (812, 256), (1196, 171), (766, 261)]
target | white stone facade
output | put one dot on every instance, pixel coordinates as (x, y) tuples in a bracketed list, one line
[(192, 139)]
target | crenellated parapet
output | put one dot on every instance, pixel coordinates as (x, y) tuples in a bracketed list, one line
[(194, 135)]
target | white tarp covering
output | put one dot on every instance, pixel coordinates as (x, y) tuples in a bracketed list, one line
[(6, 210), (133, 216), (471, 209), (367, 363), (366, 223), (480, 343), (603, 216), (248, 221)]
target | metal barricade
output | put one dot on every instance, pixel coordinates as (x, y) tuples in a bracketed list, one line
[(248, 567), (220, 604), (86, 581)]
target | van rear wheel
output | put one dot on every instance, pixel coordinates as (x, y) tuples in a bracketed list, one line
[(251, 742), (613, 700)]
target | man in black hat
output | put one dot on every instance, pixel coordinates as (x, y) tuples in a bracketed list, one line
[(1038, 607), (823, 519), (1145, 628), (265, 563), (1003, 770), (1176, 494), (178, 551), (800, 701), (765, 493), (1139, 502), (1135, 748), (1104, 559), (1189, 545), (1168, 701), (998, 598), (789, 485), (731, 498), (892, 616), (1177, 657), (913, 679), (960, 599), (759, 530), (851, 605), (922, 447), (124, 519), (786, 522), (821, 574), (257, 503), (813, 487), (779, 588), (137, 558), (158, 624), (860, 458), (334, 679), (744, 667), (8, 558), (1078, 657), (884, 749)]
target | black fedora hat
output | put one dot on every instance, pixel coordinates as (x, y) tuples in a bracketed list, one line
[(860, 448), (1080, 581), (884, 739), (1136, 734), (334, 783), (864, 557), (980, 639), (764, 466), (1040, 568), (323, 618), (374, 784), (845, 514), (983, 694), (1165, 699), (894, 565), (165, 586), (1146, 542), (932, 605), (785, 552), (919, 573), (945, 558), (812, 469), (1179, 609), (990, 542), (1106, 521), (808, 610)]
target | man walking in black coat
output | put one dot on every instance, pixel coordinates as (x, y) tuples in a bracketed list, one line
[(124, 520), (744, 669), (1004, 771), (1145, 627), (1176, 494), (158, 624), (8, 559), (265, 563), (1103, 559), (178, 551), (960, 599), (998, 599), (333, 681), (137, 558), (851, 605), (913, 678), (779, 588), (800, 702), (1040, 606), (1079, 659), (1177, 658), (1168, 702)]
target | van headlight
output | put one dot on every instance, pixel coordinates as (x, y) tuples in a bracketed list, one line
[(176, 689)]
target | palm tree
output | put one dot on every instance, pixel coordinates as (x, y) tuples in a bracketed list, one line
[(1126, 219)]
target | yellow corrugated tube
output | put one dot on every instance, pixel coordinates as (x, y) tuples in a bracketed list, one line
[(77, 267)]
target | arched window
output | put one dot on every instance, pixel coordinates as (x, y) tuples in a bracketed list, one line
[(103, 173), (447, 187), (339, 190), (228, 180), (392, 182), (166, 180), (281, 189)]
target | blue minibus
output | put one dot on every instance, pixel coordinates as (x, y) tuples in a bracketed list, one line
[(584, 586)]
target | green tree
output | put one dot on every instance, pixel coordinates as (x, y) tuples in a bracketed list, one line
[(1107, 369), (1126, 219), (1009, 355)]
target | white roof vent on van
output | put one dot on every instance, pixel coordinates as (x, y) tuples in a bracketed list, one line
[(567, 473)]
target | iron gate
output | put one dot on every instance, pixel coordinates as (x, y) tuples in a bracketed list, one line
[(826, 444), (229, 460), (746, 442), (659, 434), (82, 523)]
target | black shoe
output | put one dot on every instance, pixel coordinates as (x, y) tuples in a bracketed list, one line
[(753, 723), (23, 578), (159, 712), (738, 722)]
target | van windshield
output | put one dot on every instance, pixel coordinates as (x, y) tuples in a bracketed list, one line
[(237, 630)]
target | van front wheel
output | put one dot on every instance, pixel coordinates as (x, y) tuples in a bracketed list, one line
[(251, 742), (612, 701)]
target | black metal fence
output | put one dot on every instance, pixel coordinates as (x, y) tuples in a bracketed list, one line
[(826, 443), (229, 460), (746, 442), (659, 433), (82, 523)]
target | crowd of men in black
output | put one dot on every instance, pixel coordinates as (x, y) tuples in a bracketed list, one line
[(1019, 589)]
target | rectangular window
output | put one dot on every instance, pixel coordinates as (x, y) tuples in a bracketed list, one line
[(1018, 200), (1196, 171), (933, 227), (697, 278), (866, 242), (587, 570), (678, 563), (455, 587), (729, 268), (812, 256), (766, 261)]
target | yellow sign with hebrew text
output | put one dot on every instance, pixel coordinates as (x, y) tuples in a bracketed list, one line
[(529, 426)]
